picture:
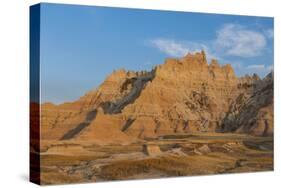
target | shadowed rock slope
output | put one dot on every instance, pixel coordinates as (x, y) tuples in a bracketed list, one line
[(182, 95)]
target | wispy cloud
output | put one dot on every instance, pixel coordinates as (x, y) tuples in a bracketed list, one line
[(256, 67), (260, 69), (180, 48), (270, 68), (170, 47), (269, 33), (147, 63), (236, 40), (233, 44), (231, 40)]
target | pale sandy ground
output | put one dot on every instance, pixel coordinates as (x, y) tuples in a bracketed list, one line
[(180, 155)]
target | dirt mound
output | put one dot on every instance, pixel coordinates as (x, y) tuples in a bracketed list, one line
[(151, 149)]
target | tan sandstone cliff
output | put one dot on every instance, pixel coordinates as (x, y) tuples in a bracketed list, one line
[(181, 95)]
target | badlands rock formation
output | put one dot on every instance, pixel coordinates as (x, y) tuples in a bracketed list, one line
[(183, 95)]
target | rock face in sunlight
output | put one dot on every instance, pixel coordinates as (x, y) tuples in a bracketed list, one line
[(184, 117), (185, 95)]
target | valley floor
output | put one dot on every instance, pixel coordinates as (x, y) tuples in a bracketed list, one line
[(166, 156)]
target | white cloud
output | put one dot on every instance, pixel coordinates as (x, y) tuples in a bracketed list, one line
[(269, 33), (170, 47), (260, 69), (235, 40), (181, 48), (270, 68), (147, 63), (241, 69), (256, 67), (234, 44)]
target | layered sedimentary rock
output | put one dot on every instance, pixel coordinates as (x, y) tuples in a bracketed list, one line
[(181, 95), (252, 112)]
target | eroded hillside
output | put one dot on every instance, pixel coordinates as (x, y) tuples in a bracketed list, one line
[(185, 95)]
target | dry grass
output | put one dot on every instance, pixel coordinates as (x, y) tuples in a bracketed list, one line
[(225, 156), (170, 165), (116, 149), (56, 177), (61, 160)]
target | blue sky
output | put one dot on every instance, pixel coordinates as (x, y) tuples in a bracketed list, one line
[(81, 45)]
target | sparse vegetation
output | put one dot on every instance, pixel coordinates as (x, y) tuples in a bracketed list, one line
[(238, 153)]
